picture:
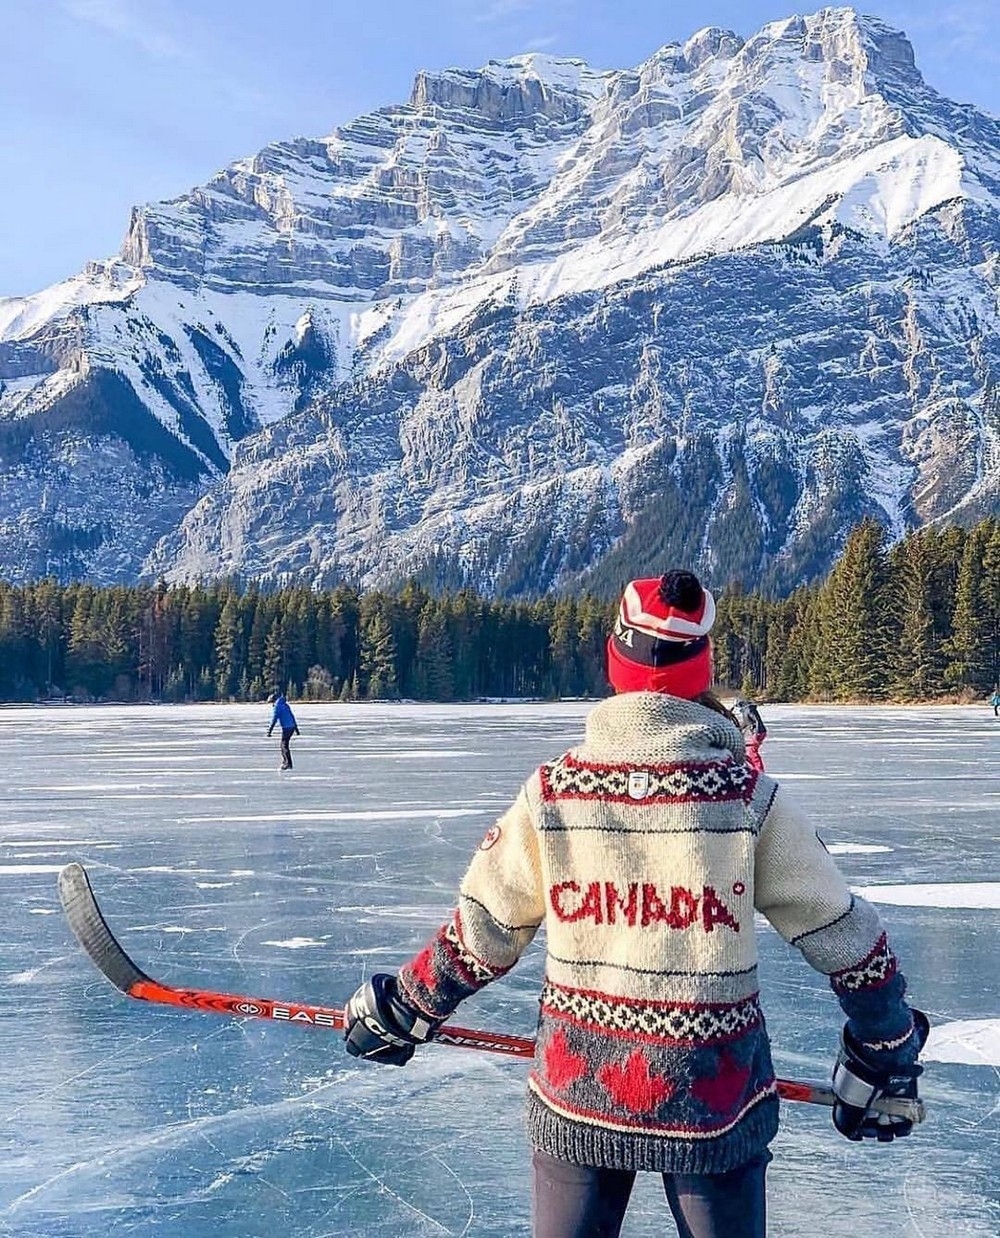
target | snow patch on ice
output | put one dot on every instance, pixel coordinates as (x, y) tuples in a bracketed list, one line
[(855, 848), (978, 895), (176, 872), (802, 777), (975, 1042), (294, 943), (378, 814), (9, 869), (51, 842)]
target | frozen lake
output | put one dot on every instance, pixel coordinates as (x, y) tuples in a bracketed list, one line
[(215, 870)]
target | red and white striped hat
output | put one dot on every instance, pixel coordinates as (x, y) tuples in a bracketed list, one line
[(660, 640)]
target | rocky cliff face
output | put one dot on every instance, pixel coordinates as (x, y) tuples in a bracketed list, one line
[(539, 325)]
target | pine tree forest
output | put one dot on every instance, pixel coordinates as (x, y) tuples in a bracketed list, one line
[(914, 620)]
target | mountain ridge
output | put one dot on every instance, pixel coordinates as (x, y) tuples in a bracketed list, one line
[(443, 339)]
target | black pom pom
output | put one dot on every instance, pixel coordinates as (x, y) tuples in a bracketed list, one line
[(681, 589)]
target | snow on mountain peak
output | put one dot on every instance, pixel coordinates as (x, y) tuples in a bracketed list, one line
[(562, 72), (571, 176), (496, 192), (513, 91)]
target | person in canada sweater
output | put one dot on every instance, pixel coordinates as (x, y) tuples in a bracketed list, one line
[(645, 851)]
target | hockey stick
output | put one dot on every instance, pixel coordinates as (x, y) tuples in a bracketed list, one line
[(92, 931)]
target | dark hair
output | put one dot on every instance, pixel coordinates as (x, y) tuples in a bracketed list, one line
[(711, 701)]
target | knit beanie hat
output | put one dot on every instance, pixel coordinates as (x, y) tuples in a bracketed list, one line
[(660, 641)]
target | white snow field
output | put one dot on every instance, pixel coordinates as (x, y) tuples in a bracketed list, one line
[(217, 871)]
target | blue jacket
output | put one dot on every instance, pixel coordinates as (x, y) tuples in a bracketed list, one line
[(282, 716)]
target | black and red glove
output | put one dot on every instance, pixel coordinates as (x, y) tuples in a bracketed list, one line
[(380, 1024)]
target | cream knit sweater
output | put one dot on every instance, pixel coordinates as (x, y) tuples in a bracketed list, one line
[(646, 852)]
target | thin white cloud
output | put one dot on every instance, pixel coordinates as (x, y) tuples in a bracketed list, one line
[(129, 21), (540, 43), (965, 27), (123, 19), (498, 10)]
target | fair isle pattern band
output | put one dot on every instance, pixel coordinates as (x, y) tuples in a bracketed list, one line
[(479, 971), (878, 968), (889, 1046), (683, 1023), (569, 778)]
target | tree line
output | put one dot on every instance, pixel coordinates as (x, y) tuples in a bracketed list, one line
[(915, 620)]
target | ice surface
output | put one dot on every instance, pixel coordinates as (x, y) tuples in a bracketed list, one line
[(214, 869)]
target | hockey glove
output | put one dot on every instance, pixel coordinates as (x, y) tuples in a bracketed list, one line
[(857, 1084), (381, 1025)]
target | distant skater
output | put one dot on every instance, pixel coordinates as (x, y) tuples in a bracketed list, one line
[(284, 718), (750, 722), (995, 702)]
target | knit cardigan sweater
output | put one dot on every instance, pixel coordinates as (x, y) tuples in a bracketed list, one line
[(645, 852)]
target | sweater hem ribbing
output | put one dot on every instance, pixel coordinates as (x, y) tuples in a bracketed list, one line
[(582, 1144)]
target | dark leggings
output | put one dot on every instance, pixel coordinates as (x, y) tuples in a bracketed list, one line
[(578, 1201)]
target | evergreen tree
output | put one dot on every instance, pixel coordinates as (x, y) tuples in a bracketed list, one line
[(199, 614), (971, 646), (991, 601), (229, 654), (342, 634), (465, 620), (378, 649), (260, 625), (432, 672), (273, 669), (795, 675), (85, 658), (47, 625), (298, 627), (14, 625), (856, 626), (119, 646), (595, 620), (407, 615), (778, 620), (563, 649), (915, 658)]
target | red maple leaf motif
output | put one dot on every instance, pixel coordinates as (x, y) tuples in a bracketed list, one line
[(724, 1090), (562, 1065), (633, 1087)]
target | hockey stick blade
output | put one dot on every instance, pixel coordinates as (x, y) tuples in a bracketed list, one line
[(106, 953)]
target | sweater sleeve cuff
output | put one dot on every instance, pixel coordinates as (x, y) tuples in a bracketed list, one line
[(445, 972), (871, 996)]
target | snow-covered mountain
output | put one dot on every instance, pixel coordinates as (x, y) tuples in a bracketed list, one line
[(540, 323)]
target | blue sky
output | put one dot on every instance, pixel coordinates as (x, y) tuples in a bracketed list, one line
[(110, 102)]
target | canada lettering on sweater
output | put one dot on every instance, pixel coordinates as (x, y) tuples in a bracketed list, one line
[(641, 904)]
